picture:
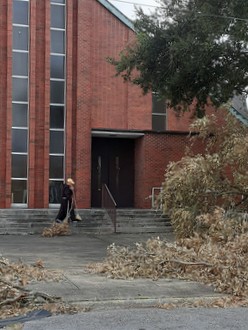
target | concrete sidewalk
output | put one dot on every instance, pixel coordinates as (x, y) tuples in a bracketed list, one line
[(69, 254)]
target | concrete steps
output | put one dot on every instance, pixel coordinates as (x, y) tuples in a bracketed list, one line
[(33, 221), (142, 221)]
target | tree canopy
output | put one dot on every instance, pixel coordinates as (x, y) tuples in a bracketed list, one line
[(189, 49)]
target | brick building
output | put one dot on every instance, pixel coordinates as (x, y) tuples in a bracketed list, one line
[(64, 114)]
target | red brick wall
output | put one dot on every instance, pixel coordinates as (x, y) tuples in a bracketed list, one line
[(99, 99), (5, 102), (115, 104), (81, 154), (181, 122), (95, 99), (178, 122), (39, 99), (153, 153)]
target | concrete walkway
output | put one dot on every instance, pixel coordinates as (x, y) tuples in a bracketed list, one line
[(70, 254)]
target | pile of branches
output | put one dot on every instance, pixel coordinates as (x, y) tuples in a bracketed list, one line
[(16, 299), (217, 255), (57, 229), (216, 176)]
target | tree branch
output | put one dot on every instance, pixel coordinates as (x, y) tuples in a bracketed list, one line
[(187, 263), (14, 286), (13, 300)]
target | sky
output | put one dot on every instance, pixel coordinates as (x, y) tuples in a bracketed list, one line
[(127, 7)]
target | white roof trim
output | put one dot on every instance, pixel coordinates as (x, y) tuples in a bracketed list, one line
[(117, 13), (114, 134)]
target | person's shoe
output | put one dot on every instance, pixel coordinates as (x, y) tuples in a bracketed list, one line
[(78, 217)]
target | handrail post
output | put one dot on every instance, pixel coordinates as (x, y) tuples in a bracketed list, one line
[(109, 204)]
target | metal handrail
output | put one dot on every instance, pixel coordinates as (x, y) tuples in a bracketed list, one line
[(109, 204), (155, 193)]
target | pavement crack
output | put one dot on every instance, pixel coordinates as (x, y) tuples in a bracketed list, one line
[(67, 279)]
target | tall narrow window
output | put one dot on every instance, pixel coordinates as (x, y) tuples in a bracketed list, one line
[(57, 99), (158, 113), (20, 101)]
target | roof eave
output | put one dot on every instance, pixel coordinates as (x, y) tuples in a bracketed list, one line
[(116, 12)]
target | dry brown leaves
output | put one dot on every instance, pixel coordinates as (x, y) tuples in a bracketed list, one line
[(222, 302), (17, 326), (57, 229), (218, 257), (15, 298)]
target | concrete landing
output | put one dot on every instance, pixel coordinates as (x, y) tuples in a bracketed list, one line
[(69, 254)]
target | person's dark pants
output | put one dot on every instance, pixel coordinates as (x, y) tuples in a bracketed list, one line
[(72, 215), (65, 207)]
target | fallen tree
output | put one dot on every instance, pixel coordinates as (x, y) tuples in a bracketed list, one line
[(217, 256), (206, 196), (218, 177)]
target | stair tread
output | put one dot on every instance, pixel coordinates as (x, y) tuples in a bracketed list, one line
[(32, 221)]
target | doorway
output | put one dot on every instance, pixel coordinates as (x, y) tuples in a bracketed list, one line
[(113, 164)]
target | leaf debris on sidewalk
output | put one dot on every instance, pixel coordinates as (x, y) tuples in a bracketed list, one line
[(16, 299), (217, 256), (57, 229)]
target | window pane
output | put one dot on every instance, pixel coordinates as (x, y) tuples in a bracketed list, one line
[(56, 167), (58, 17), (158, 123), (19, 140), (20, 37), (58, 42), (158, 105), (57, 66), (57, 92), (19, 166), (19, 191), (19, 115), (56, 117), (57, 1), (55, 191), (20, 89), (20, 64), (56, 142), (20, 12)]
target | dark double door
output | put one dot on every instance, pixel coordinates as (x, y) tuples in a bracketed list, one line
[(113, 164)]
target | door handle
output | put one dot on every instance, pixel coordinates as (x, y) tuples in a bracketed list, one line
[(99, 173)]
